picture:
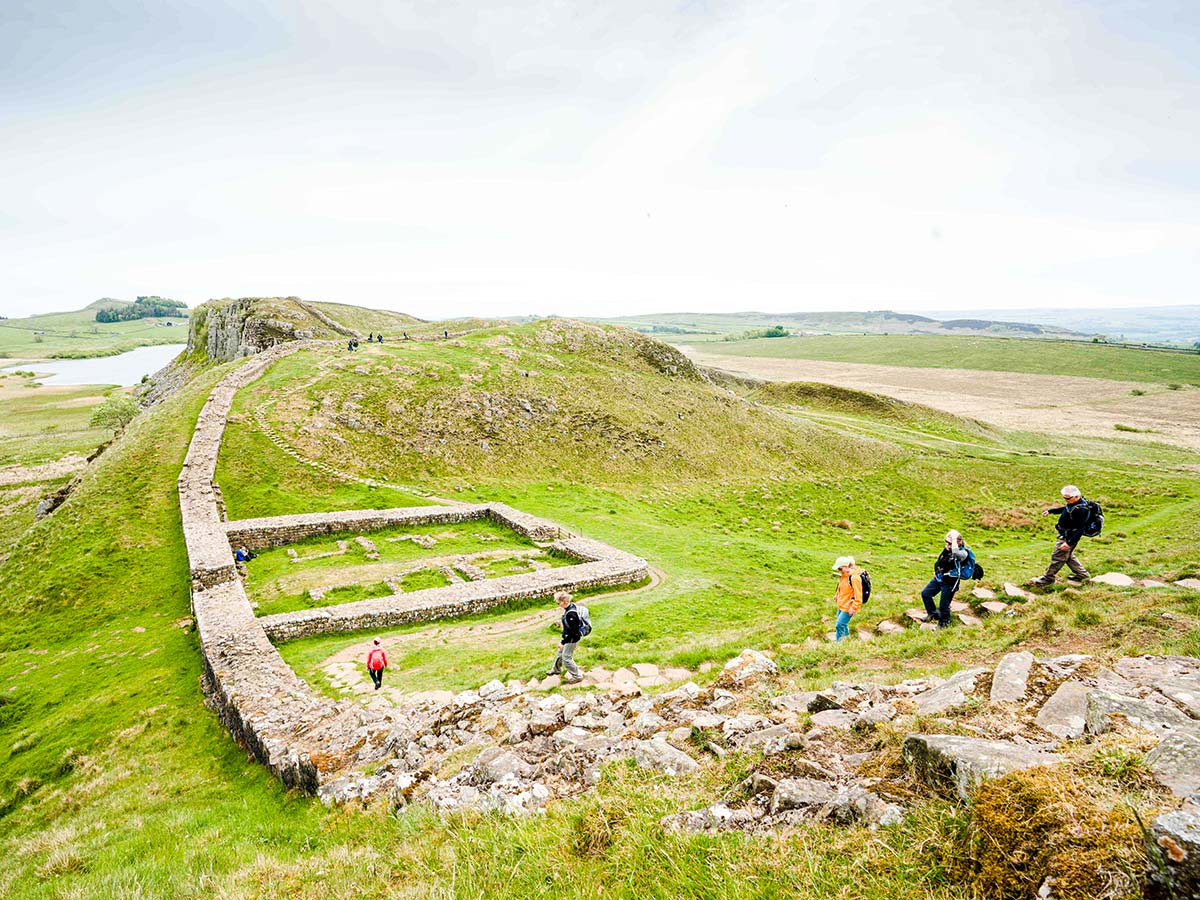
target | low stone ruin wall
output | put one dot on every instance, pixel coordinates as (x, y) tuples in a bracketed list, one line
[(277, 531), (604, 566), (310, 741)]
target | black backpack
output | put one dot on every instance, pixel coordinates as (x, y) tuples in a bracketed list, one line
[(1095, 522), (866, 585)]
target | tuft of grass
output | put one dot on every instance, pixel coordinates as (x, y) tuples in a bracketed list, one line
[(1047, 826)]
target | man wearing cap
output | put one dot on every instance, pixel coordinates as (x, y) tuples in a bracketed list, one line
[(952, 565), (1072, 520), (849, 595)]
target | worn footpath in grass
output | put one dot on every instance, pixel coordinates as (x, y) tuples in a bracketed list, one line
[(990, 354)]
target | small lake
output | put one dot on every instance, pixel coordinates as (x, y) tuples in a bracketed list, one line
[(123, 369)]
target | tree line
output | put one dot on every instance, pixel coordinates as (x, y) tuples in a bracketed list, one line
[(142, 308)]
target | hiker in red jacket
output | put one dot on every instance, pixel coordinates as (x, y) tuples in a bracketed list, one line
[(376, 663)]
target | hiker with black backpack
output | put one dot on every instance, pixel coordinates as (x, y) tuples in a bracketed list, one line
[(576, 625), (853, 590), (1077, 518), (954, 563)]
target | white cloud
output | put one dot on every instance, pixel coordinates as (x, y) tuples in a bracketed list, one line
[(453, 159)]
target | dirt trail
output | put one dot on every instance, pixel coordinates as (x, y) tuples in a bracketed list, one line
[(346, 665), (1051, 404)]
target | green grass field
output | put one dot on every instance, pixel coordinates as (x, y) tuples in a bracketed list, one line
[(78, 334), (117, 781), (987, 354)]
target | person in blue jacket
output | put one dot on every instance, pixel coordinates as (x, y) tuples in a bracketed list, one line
[(954, 563)]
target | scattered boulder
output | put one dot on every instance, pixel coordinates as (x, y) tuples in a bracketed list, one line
[(662, 757), (834, 697), (840, 719), (648, 724), (951, 693), (1177, 836), (747, 667), (887, 626), (968, 620), (798, 702), (963, 762), (1184, 690), (802, 793), (873, 714), (495, 764), (1064, 715), (1103, 707), (1192, 584), (1175, 762), (1010, 681)]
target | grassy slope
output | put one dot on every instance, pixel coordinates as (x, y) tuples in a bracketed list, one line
[(983, 353), (365, 321), (40, 424), (156, 801), (77, 334)]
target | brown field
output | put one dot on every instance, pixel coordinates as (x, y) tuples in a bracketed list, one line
[(1051, 404)]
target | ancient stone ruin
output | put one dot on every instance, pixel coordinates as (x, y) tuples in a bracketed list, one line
[(309, 741)]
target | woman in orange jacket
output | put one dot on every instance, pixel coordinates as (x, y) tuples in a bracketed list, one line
[(849, 595)]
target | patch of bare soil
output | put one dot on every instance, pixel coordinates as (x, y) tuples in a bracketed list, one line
[(1051, 404)]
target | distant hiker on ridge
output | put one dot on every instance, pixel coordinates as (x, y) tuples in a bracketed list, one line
[(851, 593), (1076, 518), (376, 663), (954, 563), (574, 627)]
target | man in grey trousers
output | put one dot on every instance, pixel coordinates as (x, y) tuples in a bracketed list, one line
[(572, 632), (1073, 518)]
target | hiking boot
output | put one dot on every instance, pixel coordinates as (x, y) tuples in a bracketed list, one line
[(1079, 579), (551, 672), (575, 680), (1039, 582)]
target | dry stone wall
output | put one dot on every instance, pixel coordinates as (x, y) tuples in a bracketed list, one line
[(313, 743)]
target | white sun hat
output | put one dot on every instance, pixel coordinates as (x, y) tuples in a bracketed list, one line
[(843, 561)]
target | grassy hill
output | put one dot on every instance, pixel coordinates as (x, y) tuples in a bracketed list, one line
[(716, 326), (70, 335), (116, 780), (988, 354)]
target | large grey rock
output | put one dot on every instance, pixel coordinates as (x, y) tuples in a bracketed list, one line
[(965, 761), (1104, 708), (1011, 678), (495, 764), (570, 736), (1176, 763), (1177, 836), (1064, 715), (834, 697), (743, 723), (769, 740), (874, 714), (802, 793), (1149, 671), (543, 721), (797, 702), (662, 757), (951, 693), (841, 719), (648, 724), (747, 667), (1184, 690)]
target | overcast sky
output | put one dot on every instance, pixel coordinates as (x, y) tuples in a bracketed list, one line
[(601, 158)]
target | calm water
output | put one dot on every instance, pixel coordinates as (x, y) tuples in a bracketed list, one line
[(123, 369)]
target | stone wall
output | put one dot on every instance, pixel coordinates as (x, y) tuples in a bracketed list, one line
[(313, 743), (277, 531), (603, 566)]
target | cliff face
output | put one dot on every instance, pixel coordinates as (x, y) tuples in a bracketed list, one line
[(228, 329)]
